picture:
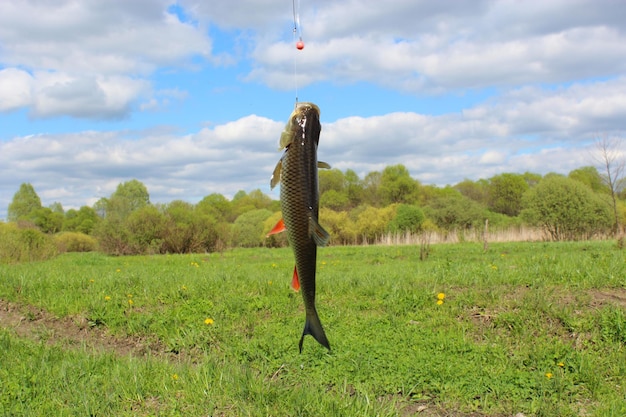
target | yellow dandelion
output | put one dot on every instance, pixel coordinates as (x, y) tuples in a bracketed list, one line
[(269, 282), (439, 302), (107, 298), (274, 265), (560, 364), (118, 270), (494, 267), (323, 262), (208, 321), (175, 377), (92, 280), (441, 296), (184, 288), (130, 302), (549, 375)]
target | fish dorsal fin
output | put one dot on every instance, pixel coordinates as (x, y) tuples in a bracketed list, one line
[(317, 232), (322, 164), (276, 174)]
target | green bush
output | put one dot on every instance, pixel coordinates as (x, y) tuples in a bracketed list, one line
[(450, 212), (75, 242), (567, 209), (408, 218), (113, 237), (24, 244), (247, 231), (341, 227), (372, 223), (188, 229)]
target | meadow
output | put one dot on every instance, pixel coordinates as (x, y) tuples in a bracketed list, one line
[(532, 329)]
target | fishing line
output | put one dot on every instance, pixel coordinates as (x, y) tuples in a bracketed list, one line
[(297, 34)]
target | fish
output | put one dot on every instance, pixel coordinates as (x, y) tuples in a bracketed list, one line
[(296, 171)]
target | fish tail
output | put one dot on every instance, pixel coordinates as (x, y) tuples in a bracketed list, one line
[(313, 326)]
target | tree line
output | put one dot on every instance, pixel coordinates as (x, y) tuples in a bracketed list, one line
[(354, 210)]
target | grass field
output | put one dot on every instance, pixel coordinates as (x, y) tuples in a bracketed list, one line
[(533, 329)]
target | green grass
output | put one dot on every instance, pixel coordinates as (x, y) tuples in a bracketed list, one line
[(536, 328)]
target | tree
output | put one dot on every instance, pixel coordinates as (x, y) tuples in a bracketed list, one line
[(128, 197), (82, 220), (353, 188), (57, 207), (397, 185), (25, 202), (430, 193), (331, 179), (113, 232), (135, 192), (255, 200), (590, 176), (217, 206), (100, 207), (371, 189), (335, 200), (477, 191), (566, 209), (46, 220), (505, 193), (609, 155), (531, 178)]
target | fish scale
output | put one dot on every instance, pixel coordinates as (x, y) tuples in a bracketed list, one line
[(299, 197)]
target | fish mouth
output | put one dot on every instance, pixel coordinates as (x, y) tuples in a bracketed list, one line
[(305, 105), (307, 116), (306, 110), (302, 119)]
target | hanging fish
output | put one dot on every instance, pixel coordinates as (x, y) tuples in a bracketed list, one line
[(299, 200)]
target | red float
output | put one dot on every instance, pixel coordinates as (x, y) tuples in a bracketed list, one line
[(300, 45)]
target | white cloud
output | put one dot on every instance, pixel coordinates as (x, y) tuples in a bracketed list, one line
[(492, 158), (422, 47), (15, 89), (87, 96), (77, 168), (246, 14), (417, 47), (522, 131), (89, 59), (104, 37)]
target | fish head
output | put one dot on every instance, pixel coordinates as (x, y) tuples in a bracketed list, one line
[(304, 114)]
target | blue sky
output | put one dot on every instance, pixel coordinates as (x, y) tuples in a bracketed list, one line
[(190, 96)]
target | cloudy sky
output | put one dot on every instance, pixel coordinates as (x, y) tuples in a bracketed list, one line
[(190, 96)]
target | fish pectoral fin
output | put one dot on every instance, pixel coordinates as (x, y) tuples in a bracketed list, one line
[(317, 232), (321, 164), (295, 281), (280, 227), (276, 174), (286, 137)]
